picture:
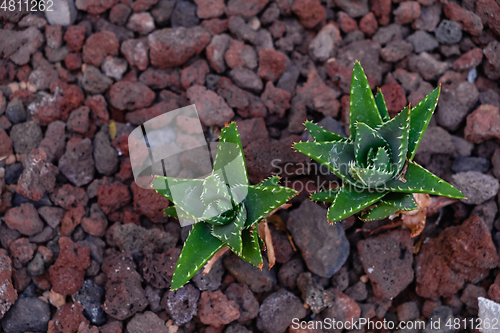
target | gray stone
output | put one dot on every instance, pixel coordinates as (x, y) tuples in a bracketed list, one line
[(455, 103), (476, 186), (77, 163), (487, 212), (324, 247), (25, 137), (184, 15), (36, 267), (63, 13), (278, 311), (91, 296), (246, 79), (246, 273), (422, 41), (470, 163), (323, 45), (114, 67), (448, 32), (427, 66), (385, 35), (20, 45), (15, 112), (437, 322), (105, 155), (94, 82), (353, 8), (489, 311), (147, 322), (181, 303), (29, 314), (212, 280)]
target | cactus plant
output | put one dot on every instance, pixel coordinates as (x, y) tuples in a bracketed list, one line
[(224, 206), (376, 161)]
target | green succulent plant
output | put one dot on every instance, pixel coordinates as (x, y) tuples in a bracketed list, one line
[(224, 206), (376, 161)]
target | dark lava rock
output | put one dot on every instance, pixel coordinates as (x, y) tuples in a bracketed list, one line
[(455, 103), (437, 322), (147, 322), (215, 309), (25, 137), (20, 45), (125, 95), (289, 272), (27, 315), (158, 268), (133, 238), (212, 280), (459, 254), (12, 173), (470, 163), (387, 260), (476, 186), (278, 310), (95, 82), (448, 32), (38, 177), (422, 41), (77, 163), (245, 299), (181, 303), (313, 293), (105, 156), (324, 247), (15, 111), (184, 15), (90, 296), (8, 294), (258, 280)]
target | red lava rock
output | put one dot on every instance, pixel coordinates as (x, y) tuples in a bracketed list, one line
[(492, 66), (72, 97), (5, 144), (24, 219), (215, 26), (140, 116), (494, 290), (194, 74), (98, 108), (344, 308), (318, 96), (310, 12), (126, 95), (143, 5), (71, 220), (368, 24), (22, 250), (255, 109), (98, 46), (470, 295), (95, 7), (136, 52), (251, 130), (97, 223), (396, 51), (67, 273), (387, 260), (395, 98), (150, 203), (282, 247), (245, 8), (210, 8), (242, 296), (346, 23), (469, 21), (172, 47), (162, 78), (240, 55), (112, 197), (79, 120), (460, 254), (67, 196), (469, 60), (120, 13), (212, 109), (277, 29), (215, 309), (271, 64), (489, 12), (483, 124), (38, 177), (382, 10), (74, 38), (276, 100), (68, 319), (407, 12), (73, 61), (8, 294), (234, 96), (124, 294)]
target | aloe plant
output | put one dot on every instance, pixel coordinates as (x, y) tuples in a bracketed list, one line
[(224, 207), (376, 161)]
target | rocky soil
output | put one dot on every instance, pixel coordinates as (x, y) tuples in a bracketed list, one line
[(83, 249)]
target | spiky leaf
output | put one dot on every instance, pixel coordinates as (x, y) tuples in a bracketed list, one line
[(379, 212), (229, 162), (230, 233), (381, 106), (326, 196), (251, 248), (198, 248), (395, 132), (402, 201), (271, 181), (319, 134), (362, 106), (184, 193), (367, 139)]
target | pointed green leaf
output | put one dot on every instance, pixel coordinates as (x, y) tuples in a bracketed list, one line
[(368, 177), (171, 211), (351, 200), (362, 106), (395, 132), (366, 139), (199, 247), (184, 193), (419, 180), (382, 160), (326, 196), (402, 201), (229, 163), (261, 200), (230, 233), (320, 134), (334, 155), (271, 181), (381, 106), (379, 212), (251, 248), (420, 117), (214, 189)]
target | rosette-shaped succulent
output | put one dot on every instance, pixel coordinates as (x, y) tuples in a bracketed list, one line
[(224, 207), (376, 161)]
